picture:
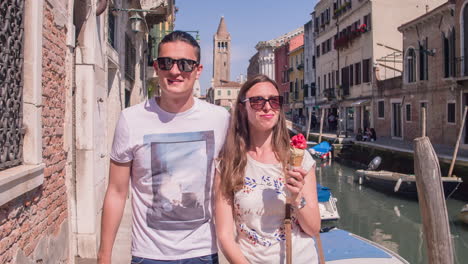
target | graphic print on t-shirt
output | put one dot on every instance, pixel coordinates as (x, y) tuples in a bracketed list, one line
[(181, 179)]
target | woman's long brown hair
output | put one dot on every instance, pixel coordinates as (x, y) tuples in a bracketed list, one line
[(233, 155)]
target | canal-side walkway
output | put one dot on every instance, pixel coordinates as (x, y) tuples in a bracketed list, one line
[(444, 152)]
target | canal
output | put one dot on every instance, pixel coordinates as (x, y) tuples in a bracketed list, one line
[(386, 219)]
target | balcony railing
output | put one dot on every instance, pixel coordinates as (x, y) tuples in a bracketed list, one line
[(329, 93), (345, 40), (341, 9)]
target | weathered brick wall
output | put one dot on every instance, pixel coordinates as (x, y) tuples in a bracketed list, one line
[(31, 223)]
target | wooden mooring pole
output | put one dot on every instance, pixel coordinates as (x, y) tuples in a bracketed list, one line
[(423, 121), (432, 205), (321, 125), (308, 123), (460, 132)]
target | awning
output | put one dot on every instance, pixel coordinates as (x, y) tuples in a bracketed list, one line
[(360, 102)]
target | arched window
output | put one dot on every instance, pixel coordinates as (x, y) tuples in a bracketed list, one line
[(411, 65)]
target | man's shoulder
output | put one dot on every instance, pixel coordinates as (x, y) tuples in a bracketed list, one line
[(135, 108), (213, 109)]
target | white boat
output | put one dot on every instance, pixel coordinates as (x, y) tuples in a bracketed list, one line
[(343, 247), (463, 215), (328, 210), (327, 204)]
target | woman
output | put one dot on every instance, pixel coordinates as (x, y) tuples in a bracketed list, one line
[(251, 187)]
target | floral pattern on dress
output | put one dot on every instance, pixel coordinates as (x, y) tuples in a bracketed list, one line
[(255, 239), (266, 182)]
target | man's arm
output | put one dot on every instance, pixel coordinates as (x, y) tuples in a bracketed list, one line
[(114, 204)]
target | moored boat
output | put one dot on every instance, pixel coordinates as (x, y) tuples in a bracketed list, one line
[(343, 247), (327, 204), (322, 150), (463, 215), (400, 183)]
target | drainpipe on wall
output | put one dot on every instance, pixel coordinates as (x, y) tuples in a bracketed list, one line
[(101, 6)]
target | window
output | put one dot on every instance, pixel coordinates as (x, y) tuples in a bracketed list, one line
[(449, 54), (318, 51), (228, 92), (112, 32), (318, 85), (357, 69), (345, 80), (410, 66), (367, 21), (28, 173), (313, 62), (219, 92), (423, 54), (451, 113), (381, 109), (366, 71), (324, 82), (351, 75), (130, 58), (408, 112), (337, 76)]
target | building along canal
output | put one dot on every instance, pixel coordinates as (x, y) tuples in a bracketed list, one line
[(386, 219)]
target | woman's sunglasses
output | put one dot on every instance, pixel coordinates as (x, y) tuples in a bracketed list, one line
[(185, 65), (258, 102)]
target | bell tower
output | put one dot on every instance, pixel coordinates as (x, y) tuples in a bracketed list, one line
[(221, 54)]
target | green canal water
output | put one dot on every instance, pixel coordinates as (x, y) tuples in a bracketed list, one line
[(386, 219)]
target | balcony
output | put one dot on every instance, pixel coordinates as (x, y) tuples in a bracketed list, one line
[(346, 40), (300, 66), (341, 10), (329, 94)]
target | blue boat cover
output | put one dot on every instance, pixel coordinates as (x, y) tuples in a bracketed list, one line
[(339, 244), (323, 193), (322, 148)]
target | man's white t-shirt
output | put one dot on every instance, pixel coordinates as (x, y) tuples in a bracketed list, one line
[(171, 177)]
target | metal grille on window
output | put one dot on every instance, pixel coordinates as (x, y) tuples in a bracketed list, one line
[(130, 58), (11, 83)]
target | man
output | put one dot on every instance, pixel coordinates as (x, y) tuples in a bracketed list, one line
[(166, 146)]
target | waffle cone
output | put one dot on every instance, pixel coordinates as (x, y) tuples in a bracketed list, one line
[(296, 160)]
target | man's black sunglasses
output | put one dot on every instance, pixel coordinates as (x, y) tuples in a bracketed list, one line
[(185, 65), (258, 102)]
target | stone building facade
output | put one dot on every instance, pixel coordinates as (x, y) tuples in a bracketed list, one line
[(433, 79), (82, 65), (34, 211), (354, 36)]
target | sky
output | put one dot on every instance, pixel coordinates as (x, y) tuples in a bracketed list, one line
[(248, 22)]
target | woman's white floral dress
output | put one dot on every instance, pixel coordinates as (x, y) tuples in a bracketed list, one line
[(259, 215)]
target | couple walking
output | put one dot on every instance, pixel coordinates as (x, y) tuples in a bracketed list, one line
[(184, 157)]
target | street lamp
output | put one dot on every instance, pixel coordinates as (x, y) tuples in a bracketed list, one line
[(136, 23)]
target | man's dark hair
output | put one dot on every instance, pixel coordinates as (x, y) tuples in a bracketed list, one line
[(184, 37)]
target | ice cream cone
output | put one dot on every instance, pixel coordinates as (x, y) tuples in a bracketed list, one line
[(298, 145), (296, 157)]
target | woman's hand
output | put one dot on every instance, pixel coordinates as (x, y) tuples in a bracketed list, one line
[(295, 181)]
